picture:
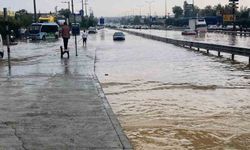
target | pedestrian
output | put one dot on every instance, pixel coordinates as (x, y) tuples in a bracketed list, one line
[(65, 35), (84, 38)]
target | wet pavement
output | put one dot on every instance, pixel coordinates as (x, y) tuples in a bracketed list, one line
[(52, 103), (168, 97)]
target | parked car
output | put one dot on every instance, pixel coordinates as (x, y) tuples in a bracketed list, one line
[(1, 47), (92, 30), (43, 31), (119, 36)]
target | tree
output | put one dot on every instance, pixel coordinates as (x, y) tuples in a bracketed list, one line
[(208, 11), (23, 18), (178, 11), (65, 12)]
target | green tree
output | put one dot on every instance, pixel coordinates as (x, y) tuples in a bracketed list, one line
[(23, 18), (65, 12), (208, 11), (178, 11)]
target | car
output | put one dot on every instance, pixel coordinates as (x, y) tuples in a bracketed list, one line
[(1, 47), (188, 32), (119, 36), (92, 30)]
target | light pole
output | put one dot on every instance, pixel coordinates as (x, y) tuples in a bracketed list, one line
[(165, 8), (72, 2), (34, 2), (140, 6), (149, 3), (86, 11), (68, 2)]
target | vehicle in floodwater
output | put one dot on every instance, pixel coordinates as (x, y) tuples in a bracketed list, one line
[(1, 47), (188, 32), (43, 31), (198, 24), (119, 36)]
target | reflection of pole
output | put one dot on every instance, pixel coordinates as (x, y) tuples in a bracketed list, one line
[(234, 24), (75, 24), (7, 37), (34, 2)]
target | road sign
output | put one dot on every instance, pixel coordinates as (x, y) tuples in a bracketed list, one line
[(228, 18)]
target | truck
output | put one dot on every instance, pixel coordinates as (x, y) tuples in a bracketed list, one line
[(198, 24)]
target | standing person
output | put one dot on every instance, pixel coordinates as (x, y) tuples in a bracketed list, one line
[(65, 35), (84, 38)]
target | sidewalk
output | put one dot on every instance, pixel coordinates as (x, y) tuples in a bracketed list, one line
[(52, 104)]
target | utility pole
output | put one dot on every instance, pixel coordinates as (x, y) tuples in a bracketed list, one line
[(7, 37), (34, 2), (165, 8), (72, 2), (86, 8), (82, 11)]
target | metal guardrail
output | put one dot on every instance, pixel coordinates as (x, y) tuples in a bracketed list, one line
[(233, 50), (241, 33)]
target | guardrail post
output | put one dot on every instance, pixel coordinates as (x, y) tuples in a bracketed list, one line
[(249, 62), (219, 54), (198, 49), (232, 57), (208, 51)]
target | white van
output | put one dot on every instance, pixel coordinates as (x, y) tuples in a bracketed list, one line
[(1, 47), (43, 31)]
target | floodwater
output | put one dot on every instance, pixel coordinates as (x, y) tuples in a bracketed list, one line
[(215, 38), (167, 97)]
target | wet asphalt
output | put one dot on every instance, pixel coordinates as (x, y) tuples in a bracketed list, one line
[(52, 103)]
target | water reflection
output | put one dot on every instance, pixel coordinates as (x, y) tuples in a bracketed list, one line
[(65, 64), (102, 35), (232, 40)]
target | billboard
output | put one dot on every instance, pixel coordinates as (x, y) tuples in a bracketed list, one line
[(228, 18)]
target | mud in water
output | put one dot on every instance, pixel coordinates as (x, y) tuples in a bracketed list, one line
[(170, 98), (182, 116)]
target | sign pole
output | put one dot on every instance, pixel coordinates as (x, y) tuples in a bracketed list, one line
[(7, 38), (72, 2)]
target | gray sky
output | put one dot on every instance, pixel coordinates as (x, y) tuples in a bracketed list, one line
[(111, 7)]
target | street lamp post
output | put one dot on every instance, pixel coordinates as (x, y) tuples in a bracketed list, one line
[(149, 3), (72, 2), (165, 8), (68, 2), (34, 2)]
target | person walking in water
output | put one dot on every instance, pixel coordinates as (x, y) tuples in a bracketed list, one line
[(65, 35), (84, 38)]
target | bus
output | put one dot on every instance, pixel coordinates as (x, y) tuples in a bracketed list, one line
[(43, 31)]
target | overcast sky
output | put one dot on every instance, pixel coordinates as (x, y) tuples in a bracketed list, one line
[(111, 7)]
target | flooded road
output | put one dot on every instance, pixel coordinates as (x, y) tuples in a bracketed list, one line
[(167, 97), (215, 38)]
